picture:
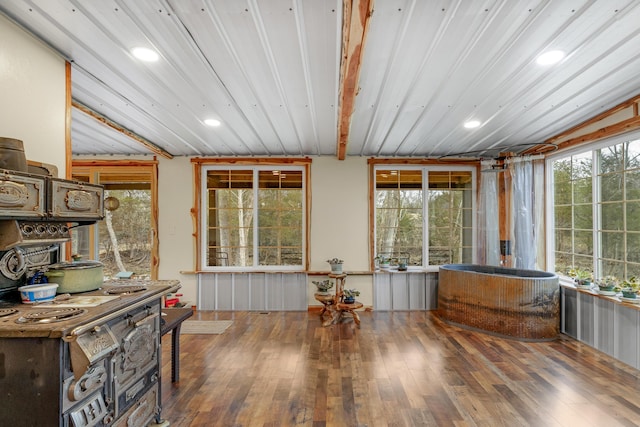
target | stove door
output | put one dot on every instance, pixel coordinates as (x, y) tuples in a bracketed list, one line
[(136, 363), (22, 195)]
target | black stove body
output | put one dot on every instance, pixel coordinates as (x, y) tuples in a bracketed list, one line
[(91, 360), (94, 361)]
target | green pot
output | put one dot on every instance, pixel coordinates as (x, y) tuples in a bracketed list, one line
[(629, 294), (75, 277)]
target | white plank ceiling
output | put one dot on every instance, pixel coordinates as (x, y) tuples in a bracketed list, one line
[(270, 71)]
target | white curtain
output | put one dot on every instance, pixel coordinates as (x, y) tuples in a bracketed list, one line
[(488, 230), (527, 212)]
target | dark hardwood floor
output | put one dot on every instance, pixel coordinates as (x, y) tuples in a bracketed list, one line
[(397, 369)]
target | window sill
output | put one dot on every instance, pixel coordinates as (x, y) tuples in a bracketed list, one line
[(616, 299)]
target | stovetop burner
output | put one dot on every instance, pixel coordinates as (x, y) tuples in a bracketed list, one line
[(121, 290), (51, 315), (4, 312)]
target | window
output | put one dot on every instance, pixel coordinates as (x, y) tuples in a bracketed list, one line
[(596, 199), (573, 212), (126, 240), (424, 213), (253, 217)]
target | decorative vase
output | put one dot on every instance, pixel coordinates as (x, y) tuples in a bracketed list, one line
[(349, 300), (336, 268)]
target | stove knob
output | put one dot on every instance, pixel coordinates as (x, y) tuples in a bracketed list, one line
[(40, 229), (96, 329), (27, 229)]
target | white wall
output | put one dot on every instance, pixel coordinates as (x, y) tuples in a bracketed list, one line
[(339, 221), (339, 226), (177, 246), (32, 84)]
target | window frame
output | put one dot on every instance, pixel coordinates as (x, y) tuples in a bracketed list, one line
[(91, 169), (203, 166), (425, 167), (596, 202)]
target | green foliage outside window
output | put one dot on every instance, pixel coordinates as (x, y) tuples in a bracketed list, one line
[(401, 203), (243, 205), (614, 214)]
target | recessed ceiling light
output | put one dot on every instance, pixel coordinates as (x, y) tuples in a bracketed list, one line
[(550, 58), (212, 122), (472, 124), (145, 54)]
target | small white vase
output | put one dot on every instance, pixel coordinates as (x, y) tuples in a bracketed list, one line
[(336, 268)]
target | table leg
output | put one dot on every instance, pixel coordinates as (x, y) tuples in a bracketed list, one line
[(356, 318), (324, 310), (175, 354)]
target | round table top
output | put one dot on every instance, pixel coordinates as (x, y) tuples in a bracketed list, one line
[(324, 296), (353, 306)]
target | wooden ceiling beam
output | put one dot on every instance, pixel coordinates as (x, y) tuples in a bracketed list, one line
[(113, 125), (630, 124), (356, 15)]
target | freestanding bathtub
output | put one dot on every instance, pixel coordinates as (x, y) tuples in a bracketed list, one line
[(510, 302)]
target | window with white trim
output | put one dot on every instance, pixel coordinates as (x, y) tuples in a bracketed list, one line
[(596, 215), (253, 217), (425, 214)]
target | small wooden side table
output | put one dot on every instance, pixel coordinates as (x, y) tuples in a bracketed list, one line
[(339, 307), (343, 307), (173, 318)]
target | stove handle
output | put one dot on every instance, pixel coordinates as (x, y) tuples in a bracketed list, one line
[(73, 335), (145, 320)]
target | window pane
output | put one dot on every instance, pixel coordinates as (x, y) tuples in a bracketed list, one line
[(564, 262), (612, 246), (581, 166), (632, 158), (131, 228), (399, 201), (573, 212), (583, 217), (280, 216), (583, 242), (449, 200), (564, 241), (611, 159), (612, 216), (632, 185), (612, 268), (633, 216), (399, 214), (232, 197), (633, 270), (582, 192), (633, 247), (563, 216), (562, 181), (611, 187)]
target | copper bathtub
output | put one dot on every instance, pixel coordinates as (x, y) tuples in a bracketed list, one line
[(510, 302)]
